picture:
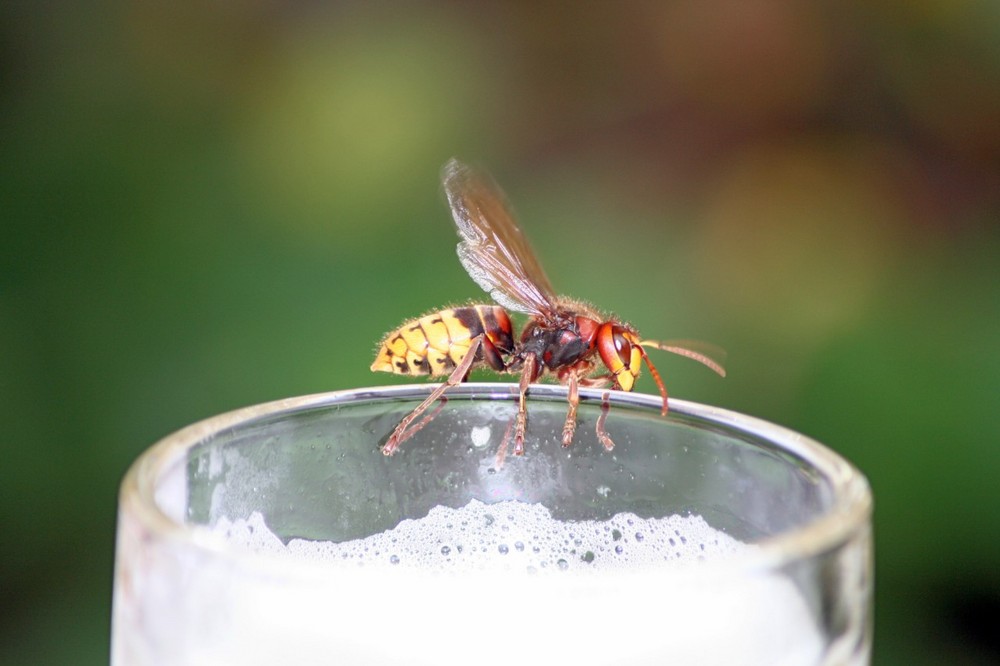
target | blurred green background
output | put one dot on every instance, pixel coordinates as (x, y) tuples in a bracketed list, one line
[(209, 204)]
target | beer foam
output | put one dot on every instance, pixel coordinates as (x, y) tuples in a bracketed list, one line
[(529, 589), (505, 536)]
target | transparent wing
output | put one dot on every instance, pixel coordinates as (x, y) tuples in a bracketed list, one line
[(705, 353), (493, 249)]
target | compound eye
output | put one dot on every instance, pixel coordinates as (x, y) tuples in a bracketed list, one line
[(622, 346)]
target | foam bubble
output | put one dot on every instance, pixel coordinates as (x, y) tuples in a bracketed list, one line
[(507, 536)]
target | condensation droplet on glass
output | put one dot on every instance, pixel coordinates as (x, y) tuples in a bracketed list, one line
[(480, 436)]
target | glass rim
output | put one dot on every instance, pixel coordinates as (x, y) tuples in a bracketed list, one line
[(849, 513)]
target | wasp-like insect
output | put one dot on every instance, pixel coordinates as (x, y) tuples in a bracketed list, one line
[(564, 337)]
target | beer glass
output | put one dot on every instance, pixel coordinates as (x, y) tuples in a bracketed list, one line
[(279, 533)]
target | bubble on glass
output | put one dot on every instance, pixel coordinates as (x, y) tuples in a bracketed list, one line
[(480, 436)]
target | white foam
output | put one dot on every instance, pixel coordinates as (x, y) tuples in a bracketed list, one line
[(456, 587), (506, 536)]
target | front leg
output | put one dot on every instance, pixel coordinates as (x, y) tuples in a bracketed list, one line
[(599, 381), (602, 434)]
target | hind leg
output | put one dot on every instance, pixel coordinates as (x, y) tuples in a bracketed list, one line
[(404, 431)]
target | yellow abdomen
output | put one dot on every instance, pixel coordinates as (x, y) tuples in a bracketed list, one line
[(436, 343)]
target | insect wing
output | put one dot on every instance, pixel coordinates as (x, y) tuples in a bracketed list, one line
[(493, 249)]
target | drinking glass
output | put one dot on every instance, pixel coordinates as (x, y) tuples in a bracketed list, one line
[(279, 533)]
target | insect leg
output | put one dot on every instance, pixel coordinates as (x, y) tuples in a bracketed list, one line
[(521, 420), (502, 451), (417, 427), (602, 434), (573, 396), (403, 430)]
